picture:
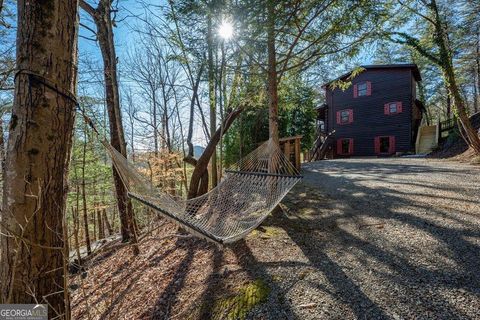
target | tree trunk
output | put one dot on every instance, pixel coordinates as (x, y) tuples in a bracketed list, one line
[(155, 125), (94, 220), (2, 146), (38, 154), (459, 103), (77, 210), (103, 21), (212, 94), (223, 100), (166, 118), (477, 63), (272, 74), (272, 82), (195, 85), (475, 91), (107, 223), (449, 103), (84, 194), (101, 231), (446, 64), (76, 238), (85, 221), (421, 95), (114, 218), (199, 179), (132, 141)]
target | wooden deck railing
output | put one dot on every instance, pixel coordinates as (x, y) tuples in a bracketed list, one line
[(448, 125)]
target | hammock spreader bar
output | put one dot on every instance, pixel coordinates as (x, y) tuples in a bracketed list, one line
[(263, 174)]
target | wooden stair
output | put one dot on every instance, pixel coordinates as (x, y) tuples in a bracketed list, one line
[(427, 139), (321, 146)]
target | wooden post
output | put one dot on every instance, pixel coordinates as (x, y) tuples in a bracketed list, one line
[(286, 149), (297, 153)]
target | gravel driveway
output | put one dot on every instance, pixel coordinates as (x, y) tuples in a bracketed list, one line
[(356, 239), (373, 239)]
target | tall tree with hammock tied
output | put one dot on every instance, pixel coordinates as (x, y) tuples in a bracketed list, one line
[(34, 248), (298, 34)]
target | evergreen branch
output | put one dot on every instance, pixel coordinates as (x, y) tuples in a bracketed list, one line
[(415, 44), (299, 35), (414, 11)]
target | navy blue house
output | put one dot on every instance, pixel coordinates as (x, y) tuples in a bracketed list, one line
[(378, 115)]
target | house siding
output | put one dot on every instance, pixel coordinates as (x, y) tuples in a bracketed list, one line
[(370, 121)]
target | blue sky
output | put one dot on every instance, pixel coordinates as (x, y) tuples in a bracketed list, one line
[(122, 31), (125, 40)]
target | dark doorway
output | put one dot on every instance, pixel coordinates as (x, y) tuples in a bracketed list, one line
[(384, 144), (345, 146)]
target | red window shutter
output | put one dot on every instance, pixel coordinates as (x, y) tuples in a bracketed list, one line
[(369, 88), (355, 91), (350, 147), (377, 145), (399, 107), (391, 147), (339, 146), (338, 117), (386, 108), (350, 115)]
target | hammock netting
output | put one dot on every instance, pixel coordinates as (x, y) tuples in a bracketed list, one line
[(248, 191)]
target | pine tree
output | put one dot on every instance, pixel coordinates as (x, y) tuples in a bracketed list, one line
[(34, 245)]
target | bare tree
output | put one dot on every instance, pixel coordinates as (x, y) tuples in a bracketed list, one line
[(193, 63), (102, 17), (131, 111), (146, 72), (76, 238), (84, 193), (107, 223), (156, 73)]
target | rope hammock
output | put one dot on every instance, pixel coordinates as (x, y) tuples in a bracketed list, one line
[(249, 190)]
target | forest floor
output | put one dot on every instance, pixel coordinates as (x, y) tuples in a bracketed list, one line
[(356, 239)]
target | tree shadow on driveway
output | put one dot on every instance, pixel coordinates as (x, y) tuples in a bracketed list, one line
[(384, 249)]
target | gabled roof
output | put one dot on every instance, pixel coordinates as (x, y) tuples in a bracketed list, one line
[(412, 66)]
